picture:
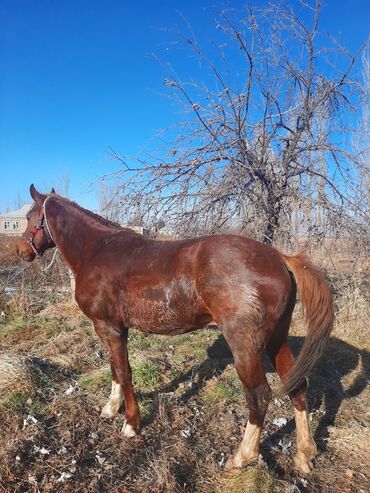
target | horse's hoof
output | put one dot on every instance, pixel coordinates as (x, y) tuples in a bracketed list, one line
[(230, 464), (236, 461), (128, 430), (302, 463), (109, 411)]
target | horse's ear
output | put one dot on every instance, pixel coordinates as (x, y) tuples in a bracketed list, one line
[(37, 197), (52, 190)]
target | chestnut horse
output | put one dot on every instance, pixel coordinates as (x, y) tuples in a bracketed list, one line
[(247, 288)]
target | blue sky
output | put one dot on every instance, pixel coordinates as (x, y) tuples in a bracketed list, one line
[(76, 77)]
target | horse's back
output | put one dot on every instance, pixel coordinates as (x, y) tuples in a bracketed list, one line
[(177, 286)]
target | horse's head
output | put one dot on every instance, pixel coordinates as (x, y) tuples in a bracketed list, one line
[(37, 238)]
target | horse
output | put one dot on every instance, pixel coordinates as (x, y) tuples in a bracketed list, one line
[(247, 288)]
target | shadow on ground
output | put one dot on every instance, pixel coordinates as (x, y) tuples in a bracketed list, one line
[(326, 389), (218, 358), (325, 383), (72, 422)]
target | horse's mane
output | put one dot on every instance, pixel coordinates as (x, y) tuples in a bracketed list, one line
[(93, 215)]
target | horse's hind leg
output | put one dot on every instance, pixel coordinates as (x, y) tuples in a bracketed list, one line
[(282, 358), (248, 364)]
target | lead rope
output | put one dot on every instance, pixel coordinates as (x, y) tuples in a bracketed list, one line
[(20, 271), (52, 261), (46, 219), (51, 236)]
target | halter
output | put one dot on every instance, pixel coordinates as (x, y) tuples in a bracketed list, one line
[(44, 227)]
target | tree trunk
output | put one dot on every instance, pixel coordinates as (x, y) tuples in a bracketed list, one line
[(273, 218)]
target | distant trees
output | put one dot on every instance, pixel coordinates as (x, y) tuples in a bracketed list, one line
[(108, 203), (274, 135), (62, 185)]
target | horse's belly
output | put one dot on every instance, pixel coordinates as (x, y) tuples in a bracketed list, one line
[(174, 308), (158, 318)]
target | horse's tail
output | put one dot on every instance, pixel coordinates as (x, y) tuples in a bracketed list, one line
[(317, 301)]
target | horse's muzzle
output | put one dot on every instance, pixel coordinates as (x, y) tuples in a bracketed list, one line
[(25, 251)]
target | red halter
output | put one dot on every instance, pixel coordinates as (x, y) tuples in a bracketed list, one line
[(41, 225)]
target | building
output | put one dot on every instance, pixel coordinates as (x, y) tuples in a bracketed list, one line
[(14, 222)]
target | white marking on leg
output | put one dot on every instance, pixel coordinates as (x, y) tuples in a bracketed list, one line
[(248, 449), (306, 445), (110, 410), (305, 442), (128, 430)]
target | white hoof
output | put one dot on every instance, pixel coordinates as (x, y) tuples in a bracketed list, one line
[(302, 463), (128, 430), (109, 411), (236, 461)]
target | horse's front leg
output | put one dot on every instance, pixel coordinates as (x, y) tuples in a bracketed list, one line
[(115, 401), (122, 390)]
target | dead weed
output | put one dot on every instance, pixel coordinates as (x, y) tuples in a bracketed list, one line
[(53, 439)]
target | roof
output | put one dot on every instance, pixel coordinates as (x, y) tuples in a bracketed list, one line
[(22, 212)]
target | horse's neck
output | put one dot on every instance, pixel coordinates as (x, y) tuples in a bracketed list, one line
[(74, 232)]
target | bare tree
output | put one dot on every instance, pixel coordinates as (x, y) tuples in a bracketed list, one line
[(268, 134), (107, 202), (18, 201), (62, 184)]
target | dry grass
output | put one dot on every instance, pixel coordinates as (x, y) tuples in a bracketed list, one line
[(192, 404), (15, 375), (8, 250)]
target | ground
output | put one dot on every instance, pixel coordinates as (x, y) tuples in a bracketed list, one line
[(55, 379)]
